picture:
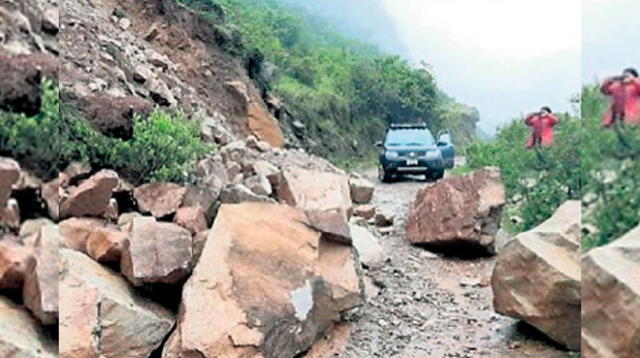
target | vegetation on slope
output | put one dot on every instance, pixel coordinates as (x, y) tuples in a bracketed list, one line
[(341, 90), (163, 147), (537, 181), (610, 173)]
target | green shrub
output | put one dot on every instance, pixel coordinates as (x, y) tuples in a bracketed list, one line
[(163, 147), (541, 179), (344, 91), (610, 173)]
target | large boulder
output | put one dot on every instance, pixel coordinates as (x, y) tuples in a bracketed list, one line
[(536, 277), (91, 198), (102, 316), (312, 190), (40, 291), (277, 284), (159, 199), (611, 299), (9, 175), (14, 262), (458, 213), (21, 83), (21, 336), (171, 258)]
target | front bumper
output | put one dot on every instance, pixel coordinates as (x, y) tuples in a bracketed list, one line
[(412, 166)]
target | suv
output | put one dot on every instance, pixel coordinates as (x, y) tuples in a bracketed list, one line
[(411, 149)]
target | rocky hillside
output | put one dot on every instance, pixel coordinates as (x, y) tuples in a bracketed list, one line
[(125, 57)]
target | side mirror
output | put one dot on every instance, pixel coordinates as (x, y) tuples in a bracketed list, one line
[(378, 144)]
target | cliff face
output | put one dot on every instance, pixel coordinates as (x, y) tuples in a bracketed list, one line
[(120, 57)]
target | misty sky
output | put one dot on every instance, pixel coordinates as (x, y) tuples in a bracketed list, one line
[(504, 57), (610, 40)]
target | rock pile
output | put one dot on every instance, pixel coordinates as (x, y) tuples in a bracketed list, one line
[(536, 277), (460, 215), (611, 299), (28, 270), (281, 263)]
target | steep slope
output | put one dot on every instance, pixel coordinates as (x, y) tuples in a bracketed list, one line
[(123, 56)]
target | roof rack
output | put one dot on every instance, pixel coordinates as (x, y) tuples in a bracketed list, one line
[(408, 126)]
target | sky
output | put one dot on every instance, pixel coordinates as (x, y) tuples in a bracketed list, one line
[(610, 37), (504, 57)]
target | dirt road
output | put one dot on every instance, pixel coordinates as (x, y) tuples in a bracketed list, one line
[(422, 305)]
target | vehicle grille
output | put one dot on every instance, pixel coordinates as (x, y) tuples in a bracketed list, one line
[(411, 154)]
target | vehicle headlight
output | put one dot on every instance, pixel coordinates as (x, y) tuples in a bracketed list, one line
[(391, 155), (433, 154)]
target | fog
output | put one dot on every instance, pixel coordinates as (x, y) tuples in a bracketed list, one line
[(610, 37)]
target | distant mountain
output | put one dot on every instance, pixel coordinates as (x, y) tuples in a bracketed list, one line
[(364, 20)]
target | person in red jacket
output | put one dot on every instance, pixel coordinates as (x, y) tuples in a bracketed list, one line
[(625, 98), (542, 124)]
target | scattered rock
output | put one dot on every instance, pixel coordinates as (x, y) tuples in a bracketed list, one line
[(113, 116), (537, 277), (9, 175), (76, 171), (159, 199), (94, 299), (382, 219), (21, 335), (365, 211), (51, 20), (10, 215), (91, 198), (611, 299), (239, 193), (199, 240), (14, 261), (361, 190), (259, 184), (172, 257), (370, 251), (278, 294), (105, 244), (40, 291), (268, 170), (332, 224), (51, 196), (459, 214), (75, 232), (191, 218)]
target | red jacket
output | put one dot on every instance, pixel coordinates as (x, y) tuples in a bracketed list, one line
[(625, 101), (542, 126)]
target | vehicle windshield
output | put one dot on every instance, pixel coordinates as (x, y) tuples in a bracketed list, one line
[(409, 137)]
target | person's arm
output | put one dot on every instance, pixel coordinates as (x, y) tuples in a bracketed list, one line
[(607, 85), (555, 120), (636, 85), (528, 120)]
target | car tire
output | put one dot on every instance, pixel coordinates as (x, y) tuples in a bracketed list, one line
[(436, 174), (383, 175)]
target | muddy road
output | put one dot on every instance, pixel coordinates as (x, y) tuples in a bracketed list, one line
[(422, 305)]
